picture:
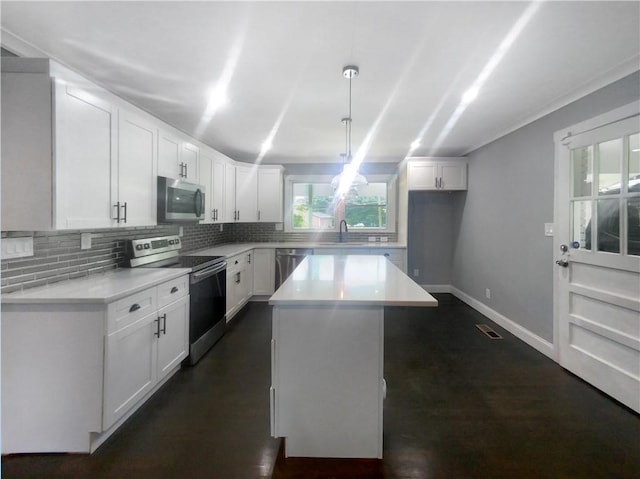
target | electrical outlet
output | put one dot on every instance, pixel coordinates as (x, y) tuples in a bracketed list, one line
[(180, 231), (85, 241), (487, 293), (416, 272), (221, 227), (278, 226)]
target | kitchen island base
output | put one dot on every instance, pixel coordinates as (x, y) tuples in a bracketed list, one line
[(327, 380)]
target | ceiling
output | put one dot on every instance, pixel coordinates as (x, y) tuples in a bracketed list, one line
[(279, 65)]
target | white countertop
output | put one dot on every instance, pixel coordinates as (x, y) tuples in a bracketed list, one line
[(98, 288), (233, 249), (350, 280)]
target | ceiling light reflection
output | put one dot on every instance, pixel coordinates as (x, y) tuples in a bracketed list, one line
[(488, 69)]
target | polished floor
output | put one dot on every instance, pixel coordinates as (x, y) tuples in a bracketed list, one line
[(459, 405)]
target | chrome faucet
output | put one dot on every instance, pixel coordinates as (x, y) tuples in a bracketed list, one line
[(346, 230)]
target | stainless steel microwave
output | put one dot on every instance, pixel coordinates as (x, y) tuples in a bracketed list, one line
[(179, 201)]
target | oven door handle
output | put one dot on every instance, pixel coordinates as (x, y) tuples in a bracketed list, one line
[(200, 275)]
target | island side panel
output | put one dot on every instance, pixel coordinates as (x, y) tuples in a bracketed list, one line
[(328, 380), (52, 362)]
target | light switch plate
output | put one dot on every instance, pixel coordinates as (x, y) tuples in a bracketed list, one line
[(278, 226), (372, 239), (17, 247), (85, 241), (548, 229)]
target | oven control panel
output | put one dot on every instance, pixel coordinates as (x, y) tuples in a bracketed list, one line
[(149, 246)]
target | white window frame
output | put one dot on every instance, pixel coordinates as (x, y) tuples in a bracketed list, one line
[(392, 194)]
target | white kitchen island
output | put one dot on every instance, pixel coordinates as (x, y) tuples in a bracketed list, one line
[(327, 353)]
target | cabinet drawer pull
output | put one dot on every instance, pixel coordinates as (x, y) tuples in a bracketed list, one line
[(134, 307), (175, 289), (387, 255)]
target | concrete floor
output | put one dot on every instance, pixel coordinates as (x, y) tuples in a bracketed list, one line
[(459, 405)]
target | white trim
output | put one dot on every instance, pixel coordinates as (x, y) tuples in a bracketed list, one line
[(533, 340), (617, 73), (613, 116)]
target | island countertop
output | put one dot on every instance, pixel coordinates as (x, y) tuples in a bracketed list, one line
[(350, 280)]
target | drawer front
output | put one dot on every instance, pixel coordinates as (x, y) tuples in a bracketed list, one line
[(173, 290), (127, 311)]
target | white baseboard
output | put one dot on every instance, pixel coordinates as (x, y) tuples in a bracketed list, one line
[(533, 340), (436, 288)]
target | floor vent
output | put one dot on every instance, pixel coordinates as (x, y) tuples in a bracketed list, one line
[(486, 329)]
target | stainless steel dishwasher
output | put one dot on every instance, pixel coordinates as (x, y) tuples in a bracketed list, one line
[(287, 259)]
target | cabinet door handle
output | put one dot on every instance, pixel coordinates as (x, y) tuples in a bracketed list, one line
[(258, 215), (157, 333), (164, 324), (134, 307), (124, 207), (216, 214), (186, 170), (386, 254), (174, 289), (249, 258), (238, 215), (117, 207)]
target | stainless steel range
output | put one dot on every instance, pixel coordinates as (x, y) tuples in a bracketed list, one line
[(207, 287)]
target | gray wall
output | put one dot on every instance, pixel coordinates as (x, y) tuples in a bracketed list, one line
[(499, 224), (431, 229)]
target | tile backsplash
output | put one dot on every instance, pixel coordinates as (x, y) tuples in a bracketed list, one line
[(57, 255)]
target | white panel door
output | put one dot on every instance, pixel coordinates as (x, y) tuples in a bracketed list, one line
[(422, 175), (597, 286), (453, 175), (173, 341), (137, 182), (169, 156), (246, 194), (218, 190), (130, 367), (230, 212), (189, 160), (205, 167), (84, 151)]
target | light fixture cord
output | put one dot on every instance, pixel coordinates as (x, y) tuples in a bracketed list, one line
[(349, 120)]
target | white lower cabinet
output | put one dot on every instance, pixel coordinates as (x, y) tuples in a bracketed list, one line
[(239, 282), (264, 276), (73, 372)]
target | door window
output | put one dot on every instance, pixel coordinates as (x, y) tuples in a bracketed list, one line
[(605, 205)]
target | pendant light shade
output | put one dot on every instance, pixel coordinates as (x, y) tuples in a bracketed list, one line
[(350, 177)]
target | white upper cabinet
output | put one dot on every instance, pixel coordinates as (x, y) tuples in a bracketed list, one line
[(270, 194), (74, 155), (246, 193), (136, 171), (230, 213), (85, 151), (241, 193), (212, 166), (443, 174), (177, 158)]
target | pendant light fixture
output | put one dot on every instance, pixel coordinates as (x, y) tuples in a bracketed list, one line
[(350, 177)]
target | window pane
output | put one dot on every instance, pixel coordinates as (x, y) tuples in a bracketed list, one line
[(582, 174), (633, 226), (634, 163), (609, 226), (609, 174), (581, 223), (312, 207), (367, 207)]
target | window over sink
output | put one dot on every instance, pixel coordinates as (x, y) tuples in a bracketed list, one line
[(312, 206)]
